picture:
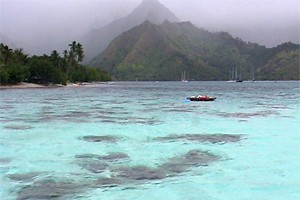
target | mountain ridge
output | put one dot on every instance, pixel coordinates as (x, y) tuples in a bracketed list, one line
[(98, 39), (161, 52)]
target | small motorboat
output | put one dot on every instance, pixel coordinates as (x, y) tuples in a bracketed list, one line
[(201, 98)]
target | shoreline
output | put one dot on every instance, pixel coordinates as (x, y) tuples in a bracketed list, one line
[(24, 85)]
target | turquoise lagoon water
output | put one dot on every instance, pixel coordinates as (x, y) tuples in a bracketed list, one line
[(53, 142)]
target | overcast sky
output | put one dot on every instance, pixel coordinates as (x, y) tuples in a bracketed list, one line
[(267, 22)]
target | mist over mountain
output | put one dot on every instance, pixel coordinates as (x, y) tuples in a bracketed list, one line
[(163, 52), (42, 26), (98, 39), (266, 22)]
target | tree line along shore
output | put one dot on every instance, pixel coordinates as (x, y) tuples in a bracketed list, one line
[(18, 69)]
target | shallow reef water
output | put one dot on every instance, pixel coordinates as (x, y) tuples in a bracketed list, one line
[(145, 141)]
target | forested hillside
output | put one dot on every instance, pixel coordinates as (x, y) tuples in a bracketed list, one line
[(163, 52), (97, 40)]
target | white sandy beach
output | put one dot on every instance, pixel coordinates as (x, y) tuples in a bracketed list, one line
[(24, 85)]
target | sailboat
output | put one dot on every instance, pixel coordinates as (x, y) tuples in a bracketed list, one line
[(238, 80), (231, 76), (183, 77), (253, 75), (234, 76)]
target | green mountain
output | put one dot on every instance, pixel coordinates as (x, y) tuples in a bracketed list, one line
[(97, 40), (283, 65), (163, 52)]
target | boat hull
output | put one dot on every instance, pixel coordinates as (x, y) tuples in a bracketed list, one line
[(201, 98)]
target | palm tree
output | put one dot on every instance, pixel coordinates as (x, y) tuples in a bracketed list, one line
[(55, 58), (72, 52), (73, 46), (76, 52), (79, 51), (21, 56), (66, 61), (65, 55), (6, 52)]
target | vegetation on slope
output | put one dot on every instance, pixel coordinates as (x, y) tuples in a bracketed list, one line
[(98, 40), (283, 66), (16, 67), (163, 52)]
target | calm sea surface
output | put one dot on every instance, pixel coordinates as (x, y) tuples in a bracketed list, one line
[(144, 141)]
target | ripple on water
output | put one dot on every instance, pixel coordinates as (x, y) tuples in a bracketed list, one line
[(211, 138), (95, 166), (266, 113), (111, 157), (115, 157), (50, 189), (108, 182), (24, 177), (139, 173), (18, 127), (6, 107), (129, 120), (76, 114), (102, 138), (193, 158), (5, 160), (98, 164)]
